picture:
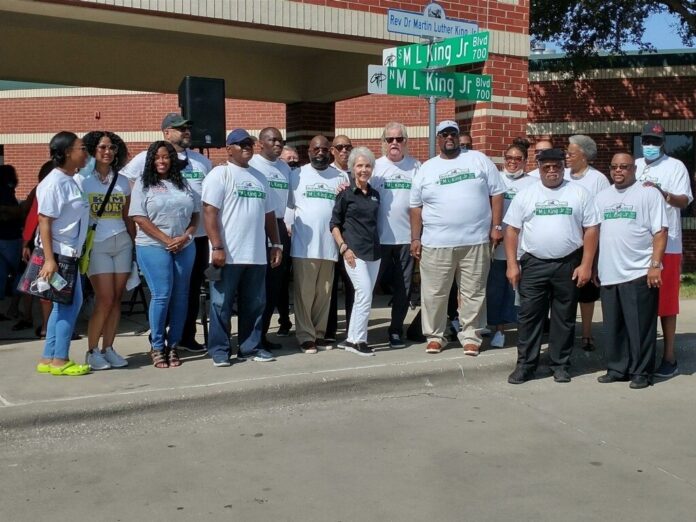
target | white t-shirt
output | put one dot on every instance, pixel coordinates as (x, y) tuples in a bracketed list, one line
[(345, 172), (242, 197), (312, 196), (454, 194), (552, 220), (593, 180), (535, 173), (111, 221), (513, 187), (197, 167), (59, 197), (168, 207), (629, 219), (278, 176), (671, 175), (393, 182)]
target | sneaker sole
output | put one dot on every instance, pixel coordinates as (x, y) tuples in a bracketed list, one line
[(222, 364), (193, 350), (664, 376), (262, 359), (358, 352)]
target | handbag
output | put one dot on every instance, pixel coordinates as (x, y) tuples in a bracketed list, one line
[(30, 283), (89, 241)]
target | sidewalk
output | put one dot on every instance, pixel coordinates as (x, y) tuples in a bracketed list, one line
[(30, 399)]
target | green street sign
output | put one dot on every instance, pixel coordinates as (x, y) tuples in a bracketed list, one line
[(405, 82), (460, 50)]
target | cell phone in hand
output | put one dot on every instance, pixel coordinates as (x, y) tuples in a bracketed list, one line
[(213, 273)]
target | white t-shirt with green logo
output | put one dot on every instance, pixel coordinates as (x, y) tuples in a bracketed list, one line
[(552, 220), (278, 176), (671, 175), (629, 219), (593, 180), (241, 196), (393, 182), (312, 196), (197, 167), (454, 194), (512, 187), (111, 222)]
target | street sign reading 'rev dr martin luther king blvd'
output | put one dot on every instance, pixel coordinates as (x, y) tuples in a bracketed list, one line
[(452, 51), (432, 23)]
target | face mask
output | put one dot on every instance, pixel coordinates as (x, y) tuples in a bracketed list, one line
[(463, 148), (651, 152), (293, 164)]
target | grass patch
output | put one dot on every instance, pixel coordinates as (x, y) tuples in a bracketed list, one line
[(688, 286)]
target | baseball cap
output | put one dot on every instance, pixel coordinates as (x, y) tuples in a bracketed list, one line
[(447, 124), (551, 155), (653, 129), (174, 120), (237, 136)]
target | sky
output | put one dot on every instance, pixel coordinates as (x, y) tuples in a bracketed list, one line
[(660, 34)]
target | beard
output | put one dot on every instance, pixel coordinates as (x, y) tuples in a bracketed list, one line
[(320, 163)]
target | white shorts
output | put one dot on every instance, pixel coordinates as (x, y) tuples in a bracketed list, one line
[(111, 256)]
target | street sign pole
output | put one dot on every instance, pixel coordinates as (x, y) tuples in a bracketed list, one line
[(432, 123)]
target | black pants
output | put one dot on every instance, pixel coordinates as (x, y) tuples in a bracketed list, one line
[(348, 290), (200, 263), (630, 325), (277, 283), (547, 283), (397, 263)]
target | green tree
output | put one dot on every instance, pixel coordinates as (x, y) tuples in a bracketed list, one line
[(583, 29)]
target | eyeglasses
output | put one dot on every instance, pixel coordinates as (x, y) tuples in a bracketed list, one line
[(513, 158), (551, 166), (104, 148), (392, 139), (621, 166), (181, 129), (320, 149), (448, 134), (571, 154), (340, 147)]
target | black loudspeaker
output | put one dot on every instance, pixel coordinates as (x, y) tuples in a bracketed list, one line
[(202, 100)]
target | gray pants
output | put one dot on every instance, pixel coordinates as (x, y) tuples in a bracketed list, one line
[(397, 261)]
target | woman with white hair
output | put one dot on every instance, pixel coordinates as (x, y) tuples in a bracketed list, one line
[(354, 228), (581, 151)]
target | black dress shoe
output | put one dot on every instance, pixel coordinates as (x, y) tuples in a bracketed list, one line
[(268, 345), (520, 375), (639, 382), (561, 375), (609, 378)]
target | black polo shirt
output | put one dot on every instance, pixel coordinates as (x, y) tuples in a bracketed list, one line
[(355, 214)]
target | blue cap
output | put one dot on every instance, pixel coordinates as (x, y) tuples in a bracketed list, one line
[(237, 136)]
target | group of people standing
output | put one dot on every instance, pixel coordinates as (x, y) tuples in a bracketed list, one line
[(511, 245)]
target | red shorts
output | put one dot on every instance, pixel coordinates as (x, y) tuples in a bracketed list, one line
[(669, 291)]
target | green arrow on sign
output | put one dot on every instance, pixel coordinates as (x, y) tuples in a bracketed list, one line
[(405, 82), (460, 50)]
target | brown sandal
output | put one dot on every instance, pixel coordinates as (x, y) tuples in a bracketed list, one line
[(159, 360), (174, 361)]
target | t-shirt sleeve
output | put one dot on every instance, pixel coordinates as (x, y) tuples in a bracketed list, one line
[(339, 212), (590, 212), (50, 199), (514, 216), (125, 186), (213, 193), (681, 185), (137, 204), (416, 195), (658, 212), (495, 181), (135, 167)]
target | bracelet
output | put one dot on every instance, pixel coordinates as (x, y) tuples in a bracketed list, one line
[(218, 248), (340, 247), (415, 239)]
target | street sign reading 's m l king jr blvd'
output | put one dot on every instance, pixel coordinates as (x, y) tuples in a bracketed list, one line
[(460, 50)]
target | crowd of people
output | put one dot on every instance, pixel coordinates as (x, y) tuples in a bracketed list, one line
[(493, 248)]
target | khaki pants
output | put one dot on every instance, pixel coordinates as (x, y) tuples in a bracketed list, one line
[(312, 284), (438, 268)]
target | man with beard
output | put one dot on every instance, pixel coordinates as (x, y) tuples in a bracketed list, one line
[(456, 206), (314, 252), (277, 173)]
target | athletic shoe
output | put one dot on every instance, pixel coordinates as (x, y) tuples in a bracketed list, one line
[(326, 343), (498, 340), (342, 345), (395, 341), (360, 349), (222, 363), (114, 359), (667, 369), (262, 355), (97, 360), (192, 346)]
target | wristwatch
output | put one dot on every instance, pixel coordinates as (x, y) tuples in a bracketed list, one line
[(499, 228), (190, 237), (218, 248), (277, 245), (655, 264)]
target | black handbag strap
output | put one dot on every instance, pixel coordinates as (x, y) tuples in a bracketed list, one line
[(107, 195)]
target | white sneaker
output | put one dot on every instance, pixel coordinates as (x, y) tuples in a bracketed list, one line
[(498, 340), (97, 360), (114, 359)]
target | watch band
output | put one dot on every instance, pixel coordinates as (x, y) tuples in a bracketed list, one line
[(218, 248)]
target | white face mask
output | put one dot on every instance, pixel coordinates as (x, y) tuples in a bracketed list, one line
[(39, 285)]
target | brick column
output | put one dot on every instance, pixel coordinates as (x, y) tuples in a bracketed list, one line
[(304, 120)]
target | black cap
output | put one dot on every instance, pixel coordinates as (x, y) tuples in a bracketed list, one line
[(174, 120), (551, 155), (653, 129)]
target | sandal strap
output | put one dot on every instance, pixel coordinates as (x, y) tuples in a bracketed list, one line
[(158, 358)]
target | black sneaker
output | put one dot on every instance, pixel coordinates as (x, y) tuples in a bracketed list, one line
[(610, 377), (395, 341), (327, 343), (561, 375), (192, 346), (667, 369), (520, 376), (284, 331), (360, 349)]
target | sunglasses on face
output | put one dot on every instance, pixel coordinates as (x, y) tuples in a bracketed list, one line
[(246, 144), (342, 147), (513, 158), (551, 167), (620, 166), (104, 148), (448, 134), (392, 139)]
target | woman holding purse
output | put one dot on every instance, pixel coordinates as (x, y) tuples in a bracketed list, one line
[(63, 218), (111, 254)]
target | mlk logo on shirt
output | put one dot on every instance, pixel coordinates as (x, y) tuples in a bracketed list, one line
[(620, 211), (397, 182), (645, 177), (277, 181), (320, 191), (249, 189), (455, 176), (553, 207), (510, 193)]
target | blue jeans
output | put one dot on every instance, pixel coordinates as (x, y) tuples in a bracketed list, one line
[(61, 324), (248, 284), (167, 276)]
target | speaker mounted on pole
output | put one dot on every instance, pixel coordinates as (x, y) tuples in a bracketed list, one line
[(202, 100)]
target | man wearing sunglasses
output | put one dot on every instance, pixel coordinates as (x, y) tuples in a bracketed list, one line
[(392, 178), (177, 130), (456, 213)]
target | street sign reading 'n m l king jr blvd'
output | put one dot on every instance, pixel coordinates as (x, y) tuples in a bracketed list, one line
[(431, 23), (405, 82), (459, 50)]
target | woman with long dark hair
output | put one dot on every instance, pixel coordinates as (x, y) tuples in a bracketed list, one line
[(63, 219), (166, 211), (111, 258)]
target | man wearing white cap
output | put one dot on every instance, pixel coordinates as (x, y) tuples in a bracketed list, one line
[(456, 212)]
